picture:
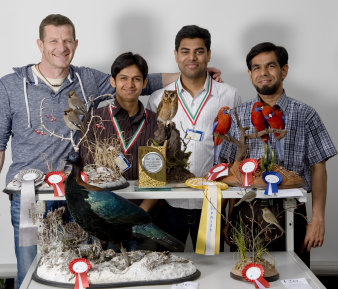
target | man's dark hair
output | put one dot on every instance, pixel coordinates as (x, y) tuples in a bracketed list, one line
[(281, 53), (56, 20), (128, 59), (193, 31)]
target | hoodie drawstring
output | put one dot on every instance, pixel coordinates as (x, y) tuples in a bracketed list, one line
[(81, 85), (26, 102)]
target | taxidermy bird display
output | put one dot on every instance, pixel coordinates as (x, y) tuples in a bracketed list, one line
[(72, 119), (257, 119), (222, 124), (168, 106), (270, 218), (108, 216), (76, 103), (248, 197), (274, 117)]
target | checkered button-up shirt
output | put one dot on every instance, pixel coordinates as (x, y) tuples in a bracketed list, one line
[(306, 143)]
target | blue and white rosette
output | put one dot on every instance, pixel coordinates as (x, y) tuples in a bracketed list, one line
[(272, 179)]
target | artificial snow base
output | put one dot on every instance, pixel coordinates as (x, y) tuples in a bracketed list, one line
[(147, 268)]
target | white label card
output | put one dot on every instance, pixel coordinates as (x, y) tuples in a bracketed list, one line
[(194, 134), (296, 283), (186, 285)]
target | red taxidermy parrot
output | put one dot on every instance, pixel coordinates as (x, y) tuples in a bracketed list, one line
[(257, 119), (222, 124), (275, 118)]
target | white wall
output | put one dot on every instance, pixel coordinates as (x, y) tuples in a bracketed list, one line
[(106, 28)]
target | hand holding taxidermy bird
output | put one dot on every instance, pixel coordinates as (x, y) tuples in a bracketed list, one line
[(168, 106), (108, 216), (222, 124)]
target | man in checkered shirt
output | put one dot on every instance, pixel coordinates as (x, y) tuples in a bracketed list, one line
[(307, 145)]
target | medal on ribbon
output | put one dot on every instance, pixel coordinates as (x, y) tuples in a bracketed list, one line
[(247, 168), (272, 179), (80, 267), (218, 171), (254, 273), (56, 180)]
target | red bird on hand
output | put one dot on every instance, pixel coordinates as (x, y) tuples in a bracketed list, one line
[(275, 118), (257, 119), (222, 124)]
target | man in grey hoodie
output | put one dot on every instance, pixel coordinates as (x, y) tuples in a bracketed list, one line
[(20, 97)]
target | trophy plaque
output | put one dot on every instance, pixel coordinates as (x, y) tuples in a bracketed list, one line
[(152, 166)]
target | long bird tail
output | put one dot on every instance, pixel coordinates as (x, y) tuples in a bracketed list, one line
[(153, 232)]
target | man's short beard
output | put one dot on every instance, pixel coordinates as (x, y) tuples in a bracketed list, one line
[(266, 90)]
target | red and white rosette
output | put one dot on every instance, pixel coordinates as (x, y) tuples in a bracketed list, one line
[(56, 180), (84, 177), (218, 171), (80, 267), (254, 273), (247, 168)]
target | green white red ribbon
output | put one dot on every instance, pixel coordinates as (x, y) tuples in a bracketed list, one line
[(193, 118), (125, 147)]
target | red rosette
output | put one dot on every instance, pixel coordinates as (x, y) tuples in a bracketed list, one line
[(80, 267), (217, 172), (254, 273), (247, 168), (56, 180), (84, 177)]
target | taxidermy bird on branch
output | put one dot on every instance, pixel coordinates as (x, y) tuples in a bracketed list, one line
[(108, 216), (222, 124), (168, 106), (257, 119)]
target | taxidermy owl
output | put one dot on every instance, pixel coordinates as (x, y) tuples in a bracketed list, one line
[(167, 108)]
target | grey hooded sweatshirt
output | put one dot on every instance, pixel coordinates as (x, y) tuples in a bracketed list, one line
[(20, 98)]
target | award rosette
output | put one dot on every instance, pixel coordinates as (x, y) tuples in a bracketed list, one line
[(208, 237), (272, 179), (254, 273), (218, 171), (80, 267), (28, 228), (56, 180), (84, 177), (247, 168)]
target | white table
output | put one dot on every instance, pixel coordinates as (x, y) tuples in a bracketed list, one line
[(45, 193), (215, 272)]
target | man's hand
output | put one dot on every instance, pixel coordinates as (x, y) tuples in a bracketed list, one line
[(215, 74), (315, 230), (314, 236)]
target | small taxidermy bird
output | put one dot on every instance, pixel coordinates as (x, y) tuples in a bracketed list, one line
[(270, 218), (257, 119), (275, 118), (76, 103), (108, 216), (248, 197), (168, 106), (72, 120), (222, 124)]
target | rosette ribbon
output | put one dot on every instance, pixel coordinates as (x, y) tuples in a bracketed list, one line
[(56, 180), (254, 273), (272, 179), (84, 177), (218, 171), (247, 168), (80, 267)]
